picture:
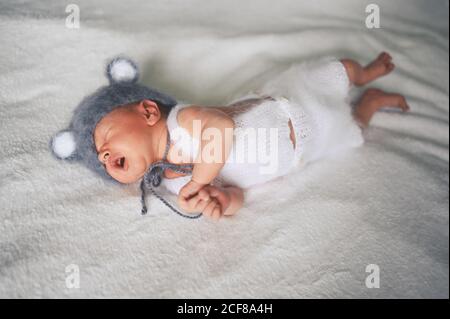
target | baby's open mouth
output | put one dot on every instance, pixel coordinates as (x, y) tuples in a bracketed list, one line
[(121, 162)]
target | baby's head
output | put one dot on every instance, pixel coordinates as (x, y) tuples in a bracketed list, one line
[(125, 139), (113, 131)]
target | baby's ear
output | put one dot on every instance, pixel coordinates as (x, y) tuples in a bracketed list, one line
[(122, 70), (63, 145), (150, 110)]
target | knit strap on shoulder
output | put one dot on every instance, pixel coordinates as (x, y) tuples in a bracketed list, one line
[(180, 137), (172, 122)]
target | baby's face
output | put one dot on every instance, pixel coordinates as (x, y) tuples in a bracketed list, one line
[(120, 140)]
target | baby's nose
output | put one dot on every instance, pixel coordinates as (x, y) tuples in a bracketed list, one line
[(103, 156)]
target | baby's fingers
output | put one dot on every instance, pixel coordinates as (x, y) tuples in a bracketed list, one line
[(193, 204), (212, 210), (201, 205), (203, 195), (217, 213)]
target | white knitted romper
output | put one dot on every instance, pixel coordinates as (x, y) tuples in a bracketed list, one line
[(312, 95)]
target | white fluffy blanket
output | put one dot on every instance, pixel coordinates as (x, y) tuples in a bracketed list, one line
[(311, 234)]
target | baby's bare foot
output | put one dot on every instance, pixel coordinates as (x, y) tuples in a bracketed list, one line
[(381, 66), (375, 99), (394, 100)]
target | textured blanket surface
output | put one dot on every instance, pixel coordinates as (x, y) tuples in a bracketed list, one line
[(310, 234)]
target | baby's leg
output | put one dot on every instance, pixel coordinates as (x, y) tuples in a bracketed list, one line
[(360, 76), (372, 100)]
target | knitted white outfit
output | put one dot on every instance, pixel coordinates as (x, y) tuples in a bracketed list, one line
[(313, 95)]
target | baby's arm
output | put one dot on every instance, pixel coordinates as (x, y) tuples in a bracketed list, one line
[(216, 138), (216, 135)]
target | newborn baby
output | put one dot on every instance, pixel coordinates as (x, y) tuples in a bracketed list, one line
[(301, 115)]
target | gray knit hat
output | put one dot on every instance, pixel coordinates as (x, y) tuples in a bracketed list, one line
[(76, 143)]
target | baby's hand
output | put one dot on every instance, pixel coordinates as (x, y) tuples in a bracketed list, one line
[(207, 199), (194, 198), (189, 190)]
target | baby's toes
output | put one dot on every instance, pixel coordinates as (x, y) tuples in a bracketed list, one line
[(403, 104), (388, 57), (385, 57), (390, 67), (381, 58), (399, 101)]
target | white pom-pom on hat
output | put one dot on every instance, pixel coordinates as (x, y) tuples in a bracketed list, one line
[(63, 144), (122, 70)]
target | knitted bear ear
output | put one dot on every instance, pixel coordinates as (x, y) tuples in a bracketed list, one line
[(63, 144), (122, 70)]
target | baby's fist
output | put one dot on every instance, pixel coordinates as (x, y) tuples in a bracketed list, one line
[(212, 210)]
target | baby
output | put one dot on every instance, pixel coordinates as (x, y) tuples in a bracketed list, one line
[(208, 155)]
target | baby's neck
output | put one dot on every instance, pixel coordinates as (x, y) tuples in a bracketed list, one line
[(158, 137)]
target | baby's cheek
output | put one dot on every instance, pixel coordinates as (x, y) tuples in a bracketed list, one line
[(134, 172)]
